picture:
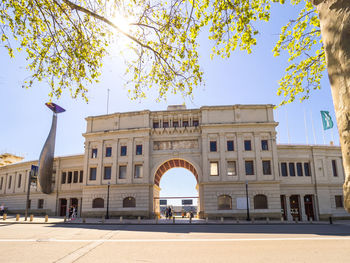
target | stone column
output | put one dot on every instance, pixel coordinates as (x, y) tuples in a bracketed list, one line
[(240, 162), (289, 215), (302, 208)]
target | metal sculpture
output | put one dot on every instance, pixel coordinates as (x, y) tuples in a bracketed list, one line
[(47, 153)]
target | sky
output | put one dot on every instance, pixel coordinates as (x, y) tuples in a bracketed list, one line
[(241, 79)]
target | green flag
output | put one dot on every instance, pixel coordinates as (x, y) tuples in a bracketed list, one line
[(326, 120)]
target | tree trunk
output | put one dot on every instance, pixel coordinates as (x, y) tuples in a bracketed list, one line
[(335, 29)]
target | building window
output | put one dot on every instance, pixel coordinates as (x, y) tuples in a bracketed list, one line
[(107, 172), (339, 201), (214, 168), (230, 147), (70, 175), (185, 124), (165, 124), (92, 173), (129, 202), (334, 168), (122, 171), (19, 180), (94, 153), (266, 167), (260, 202), (249, 167), (195, 123), (299, 169), (307, 169), (264, 145), (175, 124), (108, 151), (1, 182), (40, 203), (213, 146), (76, 177), (224, 202), (63, 178), (247, 145), (138, 171), (284, 169), (98, 203), (138, 149), (81, 176), (231, 168), (123, 150), (155, 125), (291, 169), (10, 181)]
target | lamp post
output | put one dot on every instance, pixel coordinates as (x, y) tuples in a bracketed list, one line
[(107, 213), (246, 193)]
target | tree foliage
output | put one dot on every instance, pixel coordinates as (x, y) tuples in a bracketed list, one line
[(65, 41)]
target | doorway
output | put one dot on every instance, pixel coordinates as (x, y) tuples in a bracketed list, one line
[(63, 206), (309, 207), (295, 207)]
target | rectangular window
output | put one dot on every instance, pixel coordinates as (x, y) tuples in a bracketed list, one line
[(213, 146), (123, 150), (284, 169), (108, 151), (122, 171), (249, 167), (231, 168), (139, 149), (138, 171), (307, 169), (185, 124), (19, 180), (70, 175), (10, 181), (81, 176), (76, 176), (63, 178), (165, 124), (175, 124), (92, 176), (247, 145), (155, 125), (299, 169), (339, 201), (107, 173), (94, 153), (1, 182), (230, 147), (291, 169), (334, 168), (195, 123), (40, 203), (266, 167), (214, 168), (264, 145)]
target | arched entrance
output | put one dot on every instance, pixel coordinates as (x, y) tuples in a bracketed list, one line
[(162, 169)]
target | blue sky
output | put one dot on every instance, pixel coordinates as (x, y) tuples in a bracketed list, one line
[(241, 79)]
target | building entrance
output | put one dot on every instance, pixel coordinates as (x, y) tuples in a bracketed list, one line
[(63, 207)]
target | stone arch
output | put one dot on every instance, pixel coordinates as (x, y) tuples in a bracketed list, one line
[(174, 163)]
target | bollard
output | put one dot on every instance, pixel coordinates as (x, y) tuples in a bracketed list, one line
[(31, 218), (173, 219), (84, 220), (330, 220), (103, 219), (267, 220), (222, 219), (121, 219), (310, 220), (17, 217), (64, 219), (206, 220), (139, 219), (46, 218), (4, 216), (156, 219), (282, 219)]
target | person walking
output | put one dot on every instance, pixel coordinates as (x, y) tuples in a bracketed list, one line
[(2, 209)]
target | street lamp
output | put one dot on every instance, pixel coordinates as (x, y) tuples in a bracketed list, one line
[(246, 193), (108, 186)]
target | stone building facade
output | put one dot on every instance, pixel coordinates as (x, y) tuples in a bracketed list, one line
[(225, 147)]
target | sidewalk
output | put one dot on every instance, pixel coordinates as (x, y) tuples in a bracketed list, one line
[(11, 219)]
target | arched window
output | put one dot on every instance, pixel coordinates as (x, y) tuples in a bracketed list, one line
[(260, 202), (129, 202), (98, 203), (224, 202)]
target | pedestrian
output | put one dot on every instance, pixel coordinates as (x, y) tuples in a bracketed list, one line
[(74, 213), (2, 209), (70, 212), (167, 213), (170, 213)]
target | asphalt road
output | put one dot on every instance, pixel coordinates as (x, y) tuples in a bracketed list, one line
[(174, 243)]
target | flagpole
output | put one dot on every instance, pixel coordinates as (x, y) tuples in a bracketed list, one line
[(287, 126), (306, 132), (313, 127)]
